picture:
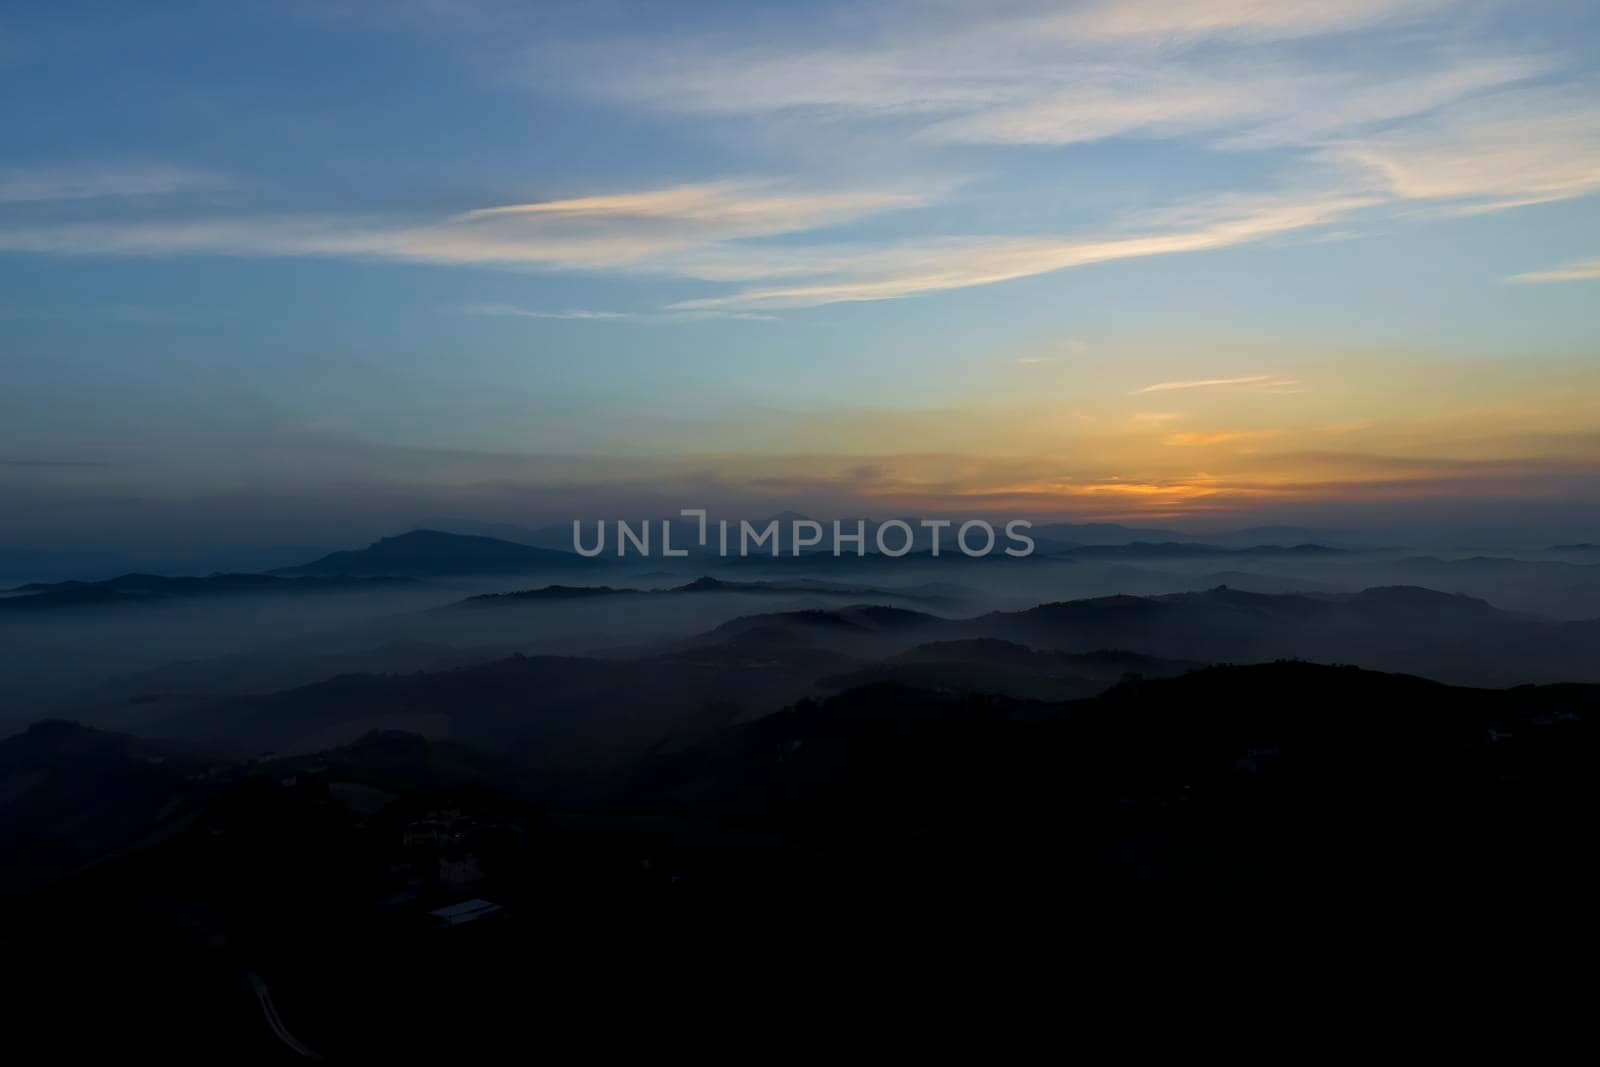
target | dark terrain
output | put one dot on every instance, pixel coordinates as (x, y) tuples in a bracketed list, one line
[(718, 788), (1255, 794)]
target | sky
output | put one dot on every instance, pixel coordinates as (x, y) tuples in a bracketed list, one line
[(287, 273)]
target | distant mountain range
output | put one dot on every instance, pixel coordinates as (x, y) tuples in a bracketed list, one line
[(154, 588), (1566, 588), (1045, 553), (989, 665), (42, 566), (442, 547), (1438, 635), (559, 535), (433, 553), (931, 593), (756, 663), (437, 554), (1190, 550)]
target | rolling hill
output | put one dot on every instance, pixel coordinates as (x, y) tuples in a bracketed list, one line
[(130, 589), (432, 553)]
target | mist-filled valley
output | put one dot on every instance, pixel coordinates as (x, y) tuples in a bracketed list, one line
[(576, 671), (542, 529), (166, 653), (360, 752)]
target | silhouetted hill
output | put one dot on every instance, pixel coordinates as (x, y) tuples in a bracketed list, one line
[(800, 585), (424, 553), (1263, 786), (1276, 778), (148, 588), (686, 532), (43, 565), (576, 720), (551, 592), (1258, 802), (988, 665), (1568, 588), (876, 563), (1072, 534), (1439, 635), (1292, 535), (863, 629), (581, 712), (1252, 582), (70, 796), (1046, 552), (1190, 550), (1451, 637), (806, 586)]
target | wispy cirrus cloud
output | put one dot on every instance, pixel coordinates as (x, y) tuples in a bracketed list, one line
[(47, 184), (700, 232), (1588, 271), (844, 274), (637, 230), (1257, 19), (1252, 382), (512, 311), (1313, 108), (1345, 134), (727, 208), (1035, 74), (1521, 149), (1251, 107), (1099, 104)]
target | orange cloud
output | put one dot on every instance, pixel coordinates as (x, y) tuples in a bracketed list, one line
[(1217, 437)]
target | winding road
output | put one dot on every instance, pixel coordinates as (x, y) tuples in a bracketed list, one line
[(271, 1012)]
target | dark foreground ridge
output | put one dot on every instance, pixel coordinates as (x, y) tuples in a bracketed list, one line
[(398, 878)]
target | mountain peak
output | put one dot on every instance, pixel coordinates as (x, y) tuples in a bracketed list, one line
[(435, 552)]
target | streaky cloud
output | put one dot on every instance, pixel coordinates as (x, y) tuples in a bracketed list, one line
[(1521, 149), (511, 311), (589, 315), (45, 185), (745, 208), (1588, 271), (956, 263), (1166, 20), (1254, 381)]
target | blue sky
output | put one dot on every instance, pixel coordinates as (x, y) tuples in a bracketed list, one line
[(329, 264)]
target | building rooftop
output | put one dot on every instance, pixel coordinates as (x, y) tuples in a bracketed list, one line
[(465, 912)]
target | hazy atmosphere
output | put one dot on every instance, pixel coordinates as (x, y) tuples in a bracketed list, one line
[(488, 496), (302, 273)]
